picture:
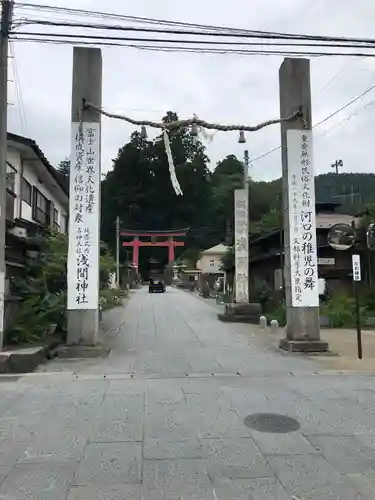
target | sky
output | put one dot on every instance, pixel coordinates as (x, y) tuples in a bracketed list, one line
[(228, 89)]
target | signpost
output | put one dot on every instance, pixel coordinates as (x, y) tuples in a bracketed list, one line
[(342, 237), (356, 263), (241, 235)]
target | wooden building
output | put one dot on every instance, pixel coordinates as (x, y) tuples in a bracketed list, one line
[(334, 267)]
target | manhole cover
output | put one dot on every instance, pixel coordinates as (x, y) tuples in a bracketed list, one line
[(272, 422)]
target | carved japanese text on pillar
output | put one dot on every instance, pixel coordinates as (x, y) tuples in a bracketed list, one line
[(241, 245), (301, 196), (83, 265)]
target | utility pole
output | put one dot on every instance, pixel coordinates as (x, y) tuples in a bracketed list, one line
[(338, 164), (84, 220), (303, 328), (6, 23), (246, 169), (118, 251)]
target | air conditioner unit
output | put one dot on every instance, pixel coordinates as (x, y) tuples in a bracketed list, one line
[(20, 232)]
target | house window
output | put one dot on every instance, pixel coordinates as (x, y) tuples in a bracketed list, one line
[(11, 178), (56, 225), (212, 263), (10, 191), (9, 207), (26, 191), (41, 208)]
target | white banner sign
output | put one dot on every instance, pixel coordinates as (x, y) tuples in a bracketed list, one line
[(301, 197), (356, 262), (241, 236), (84, 217)]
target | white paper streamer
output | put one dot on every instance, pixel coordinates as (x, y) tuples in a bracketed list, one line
[(206, 136), (172, 171)]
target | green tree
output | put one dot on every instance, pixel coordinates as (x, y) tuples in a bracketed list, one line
[(269, 222), (64, 167), (227, 177), (138, 189)]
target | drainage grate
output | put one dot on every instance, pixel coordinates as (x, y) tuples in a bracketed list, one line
[(271, 422)]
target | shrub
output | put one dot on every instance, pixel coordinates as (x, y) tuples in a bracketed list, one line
[(111, 297), (340, 311), (279, 314), (43, 285), (261, 292)]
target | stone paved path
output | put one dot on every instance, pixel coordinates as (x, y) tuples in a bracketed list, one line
[(162, 418)]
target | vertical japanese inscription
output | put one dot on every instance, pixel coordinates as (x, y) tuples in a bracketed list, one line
[(301, 197), (83, 258), (241, 245)]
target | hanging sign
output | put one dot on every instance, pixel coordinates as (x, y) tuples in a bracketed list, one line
[(84, 226), (301, 199), (356, 264), (241, 236)]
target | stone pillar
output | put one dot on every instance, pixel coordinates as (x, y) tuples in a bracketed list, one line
[(83, 324), (303, 329)]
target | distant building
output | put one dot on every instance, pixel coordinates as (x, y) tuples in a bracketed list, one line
[(36, 192), (210, 265), (334, 267), (210, 261)]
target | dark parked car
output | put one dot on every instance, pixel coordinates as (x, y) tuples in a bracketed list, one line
[(156, 285)]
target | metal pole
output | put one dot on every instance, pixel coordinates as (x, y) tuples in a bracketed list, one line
[(6, 22), (118, 251), (246, 169), (336, 165), (358, 320)]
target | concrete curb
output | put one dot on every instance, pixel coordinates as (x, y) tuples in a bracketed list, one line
[(24, 360)]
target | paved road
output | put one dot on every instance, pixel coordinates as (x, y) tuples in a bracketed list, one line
[(162, 418)]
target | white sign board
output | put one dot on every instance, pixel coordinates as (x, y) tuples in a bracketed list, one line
[(241, 237), (321, 286), (301, 198), (326, 261), (84, 226), (356, 262)]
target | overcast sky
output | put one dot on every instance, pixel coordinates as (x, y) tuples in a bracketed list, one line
[(220, 88)]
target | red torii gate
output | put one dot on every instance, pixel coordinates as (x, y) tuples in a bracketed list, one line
[(168, 235)]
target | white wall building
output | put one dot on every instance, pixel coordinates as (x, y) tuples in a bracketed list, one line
[(36, 192), (210, 261)]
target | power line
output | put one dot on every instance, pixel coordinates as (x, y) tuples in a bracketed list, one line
[(144, 20), (198, 50), (369, 89), (336, 75), (67, 36), (345, 106), (250, 34), (21, 107), (233, 31), (345, 120)]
